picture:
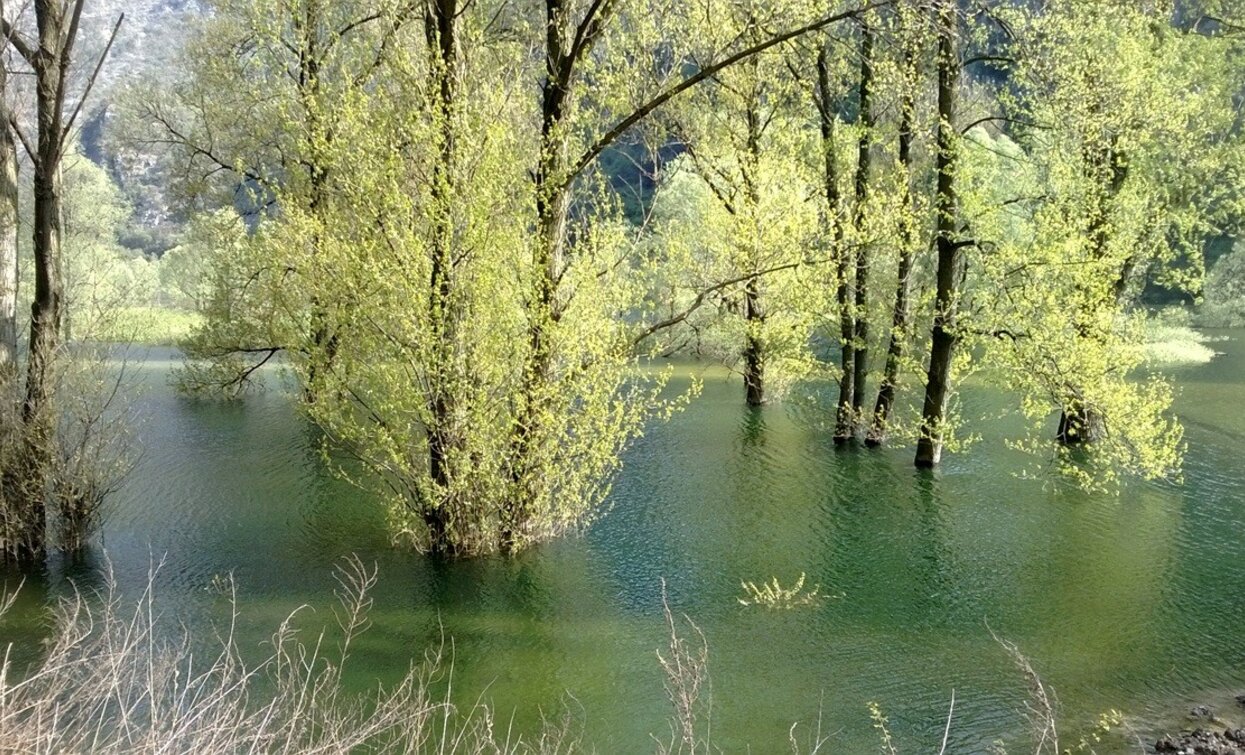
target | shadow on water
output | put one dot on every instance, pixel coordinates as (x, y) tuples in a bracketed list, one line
[(752, 427)]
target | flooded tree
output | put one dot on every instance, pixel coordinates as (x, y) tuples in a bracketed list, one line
[(48, 54), (750, 208), (494, 412), (947, 242)]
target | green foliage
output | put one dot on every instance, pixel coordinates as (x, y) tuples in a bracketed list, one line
[(468, 300), (152, 326), (1171, 340), (703, 245), (101, 277), (185, 269), (1223, 297), (773, 595), (737, 212), (401, 284), (111, 292), (1068, 216)]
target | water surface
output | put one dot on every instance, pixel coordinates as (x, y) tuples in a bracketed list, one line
[(1134, 602)]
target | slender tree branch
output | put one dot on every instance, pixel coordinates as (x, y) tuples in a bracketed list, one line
[(243, 377), (15, 39), (400, 20), (988, 59), (90, 84), (591, 27), (21, 136), (1228, 25), (642, 112), (65, 53), (196, 150), (354, 25), (1001, 333), (704, 295), (71, 34), (1001, 119)]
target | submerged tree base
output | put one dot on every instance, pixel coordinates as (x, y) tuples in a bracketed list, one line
[(1081, 426)]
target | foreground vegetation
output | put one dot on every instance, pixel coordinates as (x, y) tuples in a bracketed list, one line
[(117, 677), (112, 681)]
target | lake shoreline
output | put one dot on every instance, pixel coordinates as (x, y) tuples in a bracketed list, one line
[(1216, 727)]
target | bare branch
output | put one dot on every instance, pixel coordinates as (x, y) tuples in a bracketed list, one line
[(591, 28), (90, 84), (1001, 119), (704, 295), (12, 37), (21, 136), (988, 59), (642, 112)]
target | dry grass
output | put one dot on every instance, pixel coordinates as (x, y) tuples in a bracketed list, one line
[(110, 683), (688, 686), (1041, 708)]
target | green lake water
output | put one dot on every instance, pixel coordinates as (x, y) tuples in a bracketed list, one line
[(1134, 602)]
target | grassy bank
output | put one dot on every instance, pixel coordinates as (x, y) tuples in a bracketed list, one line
[(149, 326), (1171, 340)]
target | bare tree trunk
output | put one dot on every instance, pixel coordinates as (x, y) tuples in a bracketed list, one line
[(8, 238), (14, 503), (26, 481), (754, 349), (945, 339), (903, 288), (45, 324), (754, 308), (830, 175), (860, 333)]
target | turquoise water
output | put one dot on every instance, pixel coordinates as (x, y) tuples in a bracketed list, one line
[(1134, 602)]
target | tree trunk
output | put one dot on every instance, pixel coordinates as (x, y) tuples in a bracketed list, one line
[(903, 288), (754, 350), (860, 335), (552, 207), (843, 270), (8, 239), (27, 480), (309, 86), (45, 324), (1080, 424), (945, 339), (443, 436), (754, 309)]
